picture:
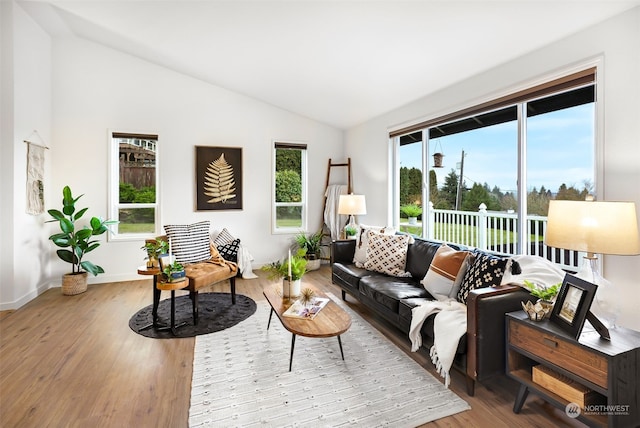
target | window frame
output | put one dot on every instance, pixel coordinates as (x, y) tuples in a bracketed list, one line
[(288, 144), (114, 189), (564, 81)]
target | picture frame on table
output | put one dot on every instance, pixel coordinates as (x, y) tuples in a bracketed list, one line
[(573, 304), (218, 178), (165, 260)]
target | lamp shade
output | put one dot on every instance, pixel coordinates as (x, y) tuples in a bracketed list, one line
[(593, 227), (352, 205)]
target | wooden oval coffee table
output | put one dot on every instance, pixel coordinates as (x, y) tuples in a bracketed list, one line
[(331, 321)]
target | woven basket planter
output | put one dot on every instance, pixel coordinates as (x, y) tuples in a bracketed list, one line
[(74, 283)]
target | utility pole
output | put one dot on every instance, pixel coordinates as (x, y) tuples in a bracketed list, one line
[(459, 192)]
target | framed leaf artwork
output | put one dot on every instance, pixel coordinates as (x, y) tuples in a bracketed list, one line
[(218, 178)]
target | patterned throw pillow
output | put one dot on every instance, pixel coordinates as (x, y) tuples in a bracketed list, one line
[(486, 271), (189, 243), (387, 254), (443, 271), (229, 251), (362, 242), (224, 237)]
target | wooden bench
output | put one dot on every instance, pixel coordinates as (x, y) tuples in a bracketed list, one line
[(205, 273)]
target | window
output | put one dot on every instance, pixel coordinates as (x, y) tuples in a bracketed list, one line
[(503, 162), (290, 188), (133, 184)]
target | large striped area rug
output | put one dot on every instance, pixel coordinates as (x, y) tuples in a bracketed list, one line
[(241, 379)]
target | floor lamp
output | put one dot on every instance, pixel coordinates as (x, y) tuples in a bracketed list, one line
[(351, 205), (595, 227)]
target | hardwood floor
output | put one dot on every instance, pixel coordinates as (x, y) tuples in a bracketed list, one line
[(74, 362)]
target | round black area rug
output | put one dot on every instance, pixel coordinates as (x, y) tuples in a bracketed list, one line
[(216, 313)]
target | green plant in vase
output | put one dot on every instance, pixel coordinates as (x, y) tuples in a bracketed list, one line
[(155, 248), (76, 242), (350, 232), (545, 295), (280, 269), (174, 272)]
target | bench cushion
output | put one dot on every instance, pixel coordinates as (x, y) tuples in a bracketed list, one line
[(205, 273)]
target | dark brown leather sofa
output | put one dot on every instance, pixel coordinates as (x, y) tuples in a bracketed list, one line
[(481, 351)]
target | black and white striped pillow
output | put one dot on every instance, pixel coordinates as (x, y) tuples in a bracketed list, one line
[(189, 242), (223, 238)]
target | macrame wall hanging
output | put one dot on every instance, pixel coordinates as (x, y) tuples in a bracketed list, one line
[(35, 174)]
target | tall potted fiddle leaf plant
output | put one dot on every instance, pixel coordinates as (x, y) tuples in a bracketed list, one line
[(75, 242)]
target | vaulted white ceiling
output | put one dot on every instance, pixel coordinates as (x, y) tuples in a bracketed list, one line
[(338, 62)]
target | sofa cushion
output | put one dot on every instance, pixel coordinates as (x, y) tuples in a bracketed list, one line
[(419, 256), (362, 241), (189, 242), (443, 271), (349, 273), (388, 291), (486, 271), (387, 254)]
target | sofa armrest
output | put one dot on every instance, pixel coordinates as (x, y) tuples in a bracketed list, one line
[(343, 250), (486, 309)]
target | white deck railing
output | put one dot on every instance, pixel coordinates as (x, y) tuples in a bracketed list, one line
[(493, 231)]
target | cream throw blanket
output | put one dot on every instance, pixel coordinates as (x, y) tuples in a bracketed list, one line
[(449, 325), (332, 219)]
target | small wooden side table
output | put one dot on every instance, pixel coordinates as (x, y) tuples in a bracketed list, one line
[(610, 368), (172, 286), (144, 270), (158, 287)]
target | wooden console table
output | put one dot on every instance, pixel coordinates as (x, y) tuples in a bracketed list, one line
[(610, 368)]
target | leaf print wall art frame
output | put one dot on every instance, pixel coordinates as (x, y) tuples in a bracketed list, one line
[(218, 178)]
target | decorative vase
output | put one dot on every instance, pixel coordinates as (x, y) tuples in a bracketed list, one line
[(547, 306), (313, 264), (176, 276), (290, 289), (413, 221), (74, 283)]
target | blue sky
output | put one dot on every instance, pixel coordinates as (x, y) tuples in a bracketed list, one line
[(560, 150)]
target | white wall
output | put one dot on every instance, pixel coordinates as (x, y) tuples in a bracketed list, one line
[(97, 89), (617, 42), (26, 106)]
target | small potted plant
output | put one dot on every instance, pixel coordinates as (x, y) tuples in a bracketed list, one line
[(75, 242), (291, 270), (311, 245), (545, 295), (412, 211), (154, 248), (174, 272), (350, 232)]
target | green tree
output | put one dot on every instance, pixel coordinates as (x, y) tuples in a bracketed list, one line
[(288, 186), (449, 191), (479, 195), (288, 160), (410, 186), (434, 193), (571, 193), (508, 202)]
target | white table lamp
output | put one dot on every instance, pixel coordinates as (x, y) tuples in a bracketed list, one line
[(595, 227), (352, 205)]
